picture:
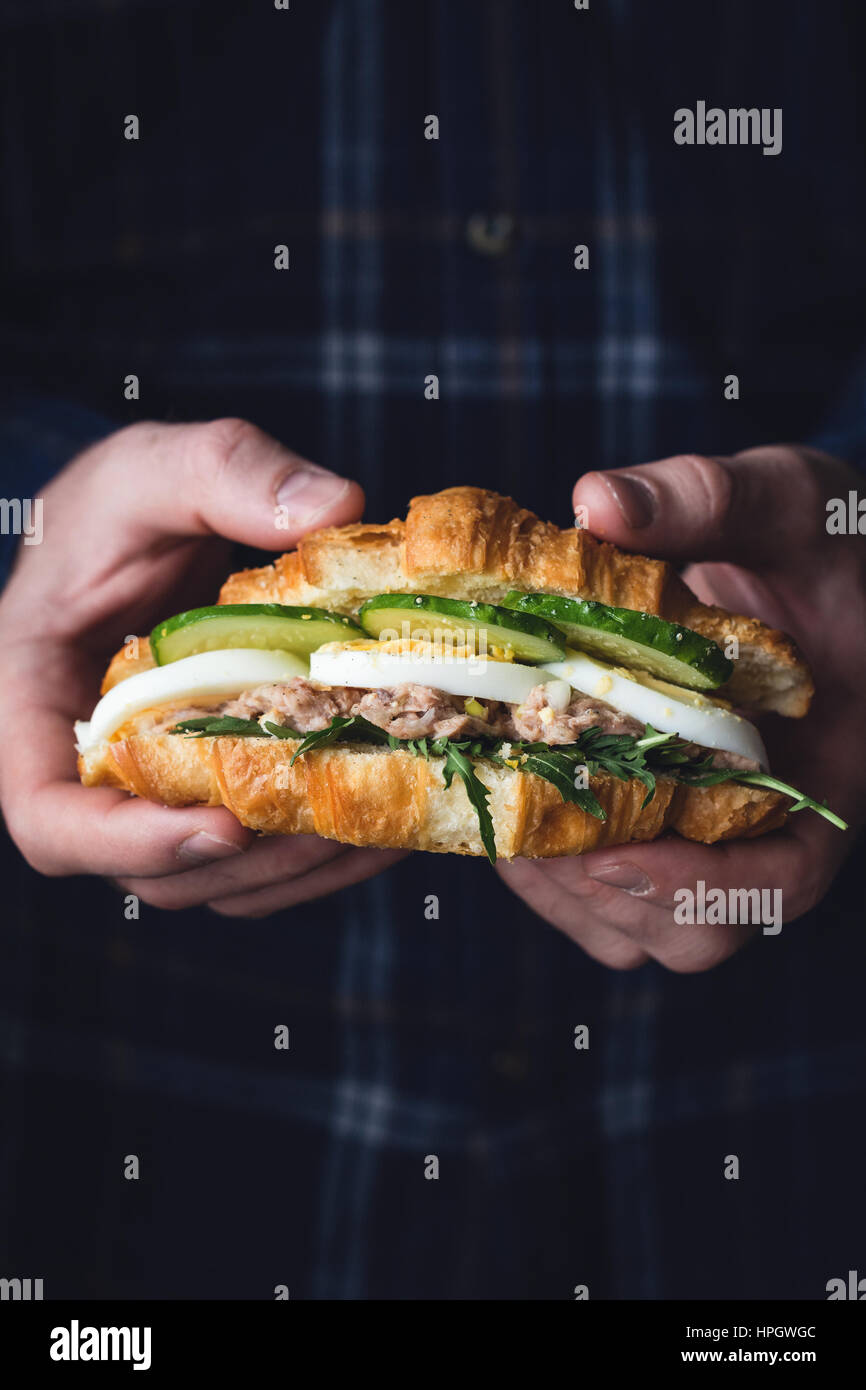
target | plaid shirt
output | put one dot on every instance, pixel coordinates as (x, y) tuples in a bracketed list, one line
[(412, 257)]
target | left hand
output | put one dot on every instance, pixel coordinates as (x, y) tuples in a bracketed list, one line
[(757, 525), (139, 525)]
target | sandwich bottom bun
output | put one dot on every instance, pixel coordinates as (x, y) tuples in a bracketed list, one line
[(366, 795)]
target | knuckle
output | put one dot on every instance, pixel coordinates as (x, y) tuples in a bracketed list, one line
[(219, 441), (32, 849), (37, 860), (694, 959), (713, 481), (806, 477), (112, 451), (625, 957), (139, 429), (813, 883), (806, 474)]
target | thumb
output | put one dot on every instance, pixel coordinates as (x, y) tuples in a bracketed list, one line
[(760, 508), (226, 478)]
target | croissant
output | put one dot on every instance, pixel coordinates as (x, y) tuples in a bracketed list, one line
[(466, 544)]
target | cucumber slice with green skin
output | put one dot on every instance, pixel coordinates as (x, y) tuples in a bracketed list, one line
[(628, 638), (524, 636), (273, 627)]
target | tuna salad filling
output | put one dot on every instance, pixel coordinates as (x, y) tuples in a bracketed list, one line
[(411, 711)]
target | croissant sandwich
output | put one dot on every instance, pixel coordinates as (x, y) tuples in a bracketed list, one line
[(471, 680)]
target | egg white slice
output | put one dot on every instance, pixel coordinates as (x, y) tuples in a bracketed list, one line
[(207, 674), (371, 669), (697, 719)]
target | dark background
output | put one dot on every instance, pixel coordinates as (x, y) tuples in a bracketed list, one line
[(412, 1037)]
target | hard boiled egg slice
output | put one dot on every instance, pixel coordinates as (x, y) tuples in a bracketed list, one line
[(381, 665), (221, 673), (671, 711)]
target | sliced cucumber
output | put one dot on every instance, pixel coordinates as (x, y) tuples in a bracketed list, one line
[(272, 627), (510, 635), (628, 638)]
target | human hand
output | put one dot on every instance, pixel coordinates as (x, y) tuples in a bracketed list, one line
[(138, 526), (754, 528)]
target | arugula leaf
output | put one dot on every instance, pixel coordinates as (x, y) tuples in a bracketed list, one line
[(708, 777), (697, 771), (652, 738), (763, 779), (617, 754), (655, 754), (456, 762), (418, 746), (558, 766), (281, 730), (620, 755), (215, 725), (344, 725), (458, 757)]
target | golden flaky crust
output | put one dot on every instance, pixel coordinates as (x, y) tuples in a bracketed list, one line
[(470, 543), (363, 795)]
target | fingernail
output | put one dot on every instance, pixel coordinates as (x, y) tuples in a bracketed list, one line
[(308, 492), (201, 848), (635, 500), (628, 877)]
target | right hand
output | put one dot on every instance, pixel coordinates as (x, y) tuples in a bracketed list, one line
[(137, 527), (754, 528)]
